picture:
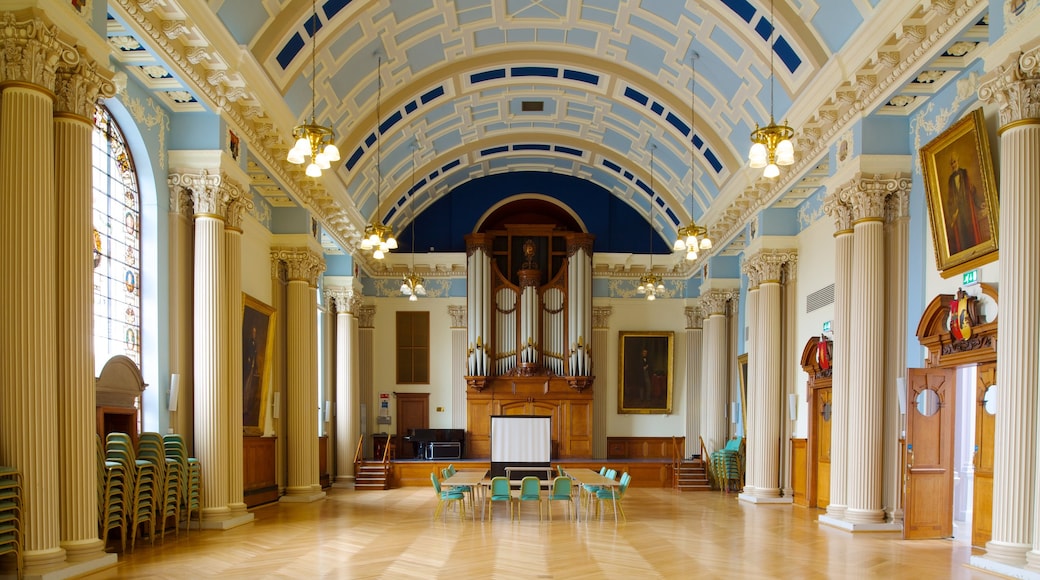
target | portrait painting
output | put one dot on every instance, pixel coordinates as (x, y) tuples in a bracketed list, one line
[(257, 337), (962, 196), (645, 372)]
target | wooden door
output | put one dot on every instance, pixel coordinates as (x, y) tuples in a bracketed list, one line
[(985, 423), (413, 412), (821, 445), (931, 412)]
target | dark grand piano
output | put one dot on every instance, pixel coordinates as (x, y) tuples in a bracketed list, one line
[(437, 443)]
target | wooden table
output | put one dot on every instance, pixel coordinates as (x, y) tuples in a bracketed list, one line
[(474, 479), (584, 476)]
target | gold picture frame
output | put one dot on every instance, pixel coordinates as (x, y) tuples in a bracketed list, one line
[(645, 372), (962, 196), (258, 321)]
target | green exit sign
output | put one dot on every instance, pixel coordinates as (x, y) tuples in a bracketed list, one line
[(827, 326), (970, 277)]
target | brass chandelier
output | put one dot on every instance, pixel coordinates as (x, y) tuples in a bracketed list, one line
[(311, 139), (650, 284), (379, 237), (692, 237), (771, 145), (412, 282)]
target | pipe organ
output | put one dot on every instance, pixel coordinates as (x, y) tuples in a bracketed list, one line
[(529, 300)]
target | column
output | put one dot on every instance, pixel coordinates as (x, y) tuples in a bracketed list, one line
[(348, 428), (366, 315), (843, 242), (314, 375), (181, 314), (239, 204), (600, 337), (897, 236), (866, 195), (210, 342), (1013, 87), (301, 429), (458, 366), (78, 88), (751, 395), (28, 296), (694, 347), (715, 378), (766, 390)]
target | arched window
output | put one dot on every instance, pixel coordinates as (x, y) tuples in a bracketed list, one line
[(117, 245)]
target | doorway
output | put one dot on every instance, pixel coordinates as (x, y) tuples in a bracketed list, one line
[(413, 412)]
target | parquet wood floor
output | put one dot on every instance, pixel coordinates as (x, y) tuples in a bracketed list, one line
[(392, 534)]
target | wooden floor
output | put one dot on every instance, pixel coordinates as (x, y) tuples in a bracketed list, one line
[(391, 534)]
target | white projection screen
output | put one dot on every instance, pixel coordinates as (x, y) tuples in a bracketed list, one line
[(520, 441)]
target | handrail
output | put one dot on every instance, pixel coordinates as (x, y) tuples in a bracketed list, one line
[(357, 453), (386, 449), (707, 461)]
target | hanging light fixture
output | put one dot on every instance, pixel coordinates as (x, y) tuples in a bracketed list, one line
[(412, 284), (379, 237), (771, 145), (650, 284), (311, 139), (692, 237)]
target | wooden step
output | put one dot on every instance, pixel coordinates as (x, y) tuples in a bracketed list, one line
[(372, 475), (692, 476)]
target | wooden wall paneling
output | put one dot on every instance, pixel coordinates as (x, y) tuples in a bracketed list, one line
[(259, 484), (800, 471)]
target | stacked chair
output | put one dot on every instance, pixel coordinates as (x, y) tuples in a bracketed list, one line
[(191, 472), (728, 465), (140, 484), (168, 480), (111, 491), (11, 515)]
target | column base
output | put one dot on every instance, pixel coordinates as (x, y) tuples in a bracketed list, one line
[(302, 497), (858, 527), (237, 509), (745, 497), (858, 516), (1007, 553), (226, 523), (72, 569), (836, 511), (987, 564), (83, 550)]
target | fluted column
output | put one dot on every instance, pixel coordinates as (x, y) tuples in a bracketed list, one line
[(314, 374), (715, 378), (897, 236), (366, 315), (458, 366), (210, 339), (694, 346), (764, 396), (867, 196), (751, 426), (841, 212), (348, 427), (600, 335), (28, 360), (301, 391), (78, 88), (239, 204), (181, 313), (1014, 87)]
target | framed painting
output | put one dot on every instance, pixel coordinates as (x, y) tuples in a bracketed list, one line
[(962, 196), (645, 372), (257, 338)]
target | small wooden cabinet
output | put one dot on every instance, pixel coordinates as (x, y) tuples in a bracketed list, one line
[(259, 484)]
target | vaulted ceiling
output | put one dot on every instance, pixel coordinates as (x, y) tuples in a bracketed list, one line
[(584, 89)]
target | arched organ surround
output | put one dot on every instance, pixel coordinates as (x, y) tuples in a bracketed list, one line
[(529, 295)]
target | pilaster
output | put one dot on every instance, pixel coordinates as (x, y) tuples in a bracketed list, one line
[(348, 428), (694, 362), (841, 213), (458, 366), (600, 334), (715, 375)]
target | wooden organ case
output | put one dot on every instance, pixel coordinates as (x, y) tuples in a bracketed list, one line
[(529, 325)]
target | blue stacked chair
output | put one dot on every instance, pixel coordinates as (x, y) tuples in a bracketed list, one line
[(111, 496), (191, 471), (140, 485), (150, 447)]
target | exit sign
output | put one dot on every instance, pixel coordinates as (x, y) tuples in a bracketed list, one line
[(970, 277), (827, 326)]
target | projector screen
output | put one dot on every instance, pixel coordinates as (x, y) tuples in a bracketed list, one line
[(520, 441)]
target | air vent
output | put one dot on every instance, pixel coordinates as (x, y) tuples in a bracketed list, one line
[(532, 106), (822, 297)]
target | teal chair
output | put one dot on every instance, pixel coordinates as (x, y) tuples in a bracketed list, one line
[(590, 490), (614, 495), (446, 496), (530, 490), (500, 491), (561, 491)]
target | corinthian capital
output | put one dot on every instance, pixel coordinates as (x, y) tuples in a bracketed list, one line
[(867, 194), (79, 86), (694, 317), (31, 51), (301, 264), (839, 211), (345, 299), (458, 316), (769, 264), (714, 302), (207, 194), (1015, 87)]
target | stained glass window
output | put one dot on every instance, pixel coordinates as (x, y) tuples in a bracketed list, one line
[(117, 245)]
